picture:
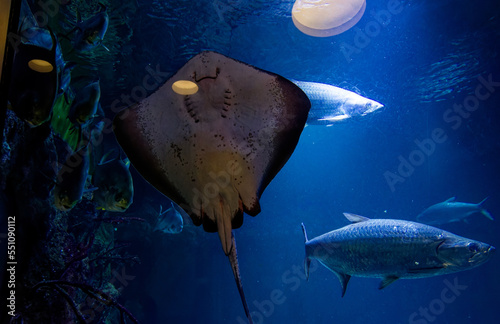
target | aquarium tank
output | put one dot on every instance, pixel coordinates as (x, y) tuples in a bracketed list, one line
[(250, 161)]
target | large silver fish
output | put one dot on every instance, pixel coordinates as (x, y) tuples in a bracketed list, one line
[(331, 104), (392, 249), (451, 211)]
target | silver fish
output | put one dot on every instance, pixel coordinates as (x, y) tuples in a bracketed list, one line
[(85, 103), (115, 187), (169, 221), (331, 104), (71, 180), (451, 211), (392, 249), (90, 33)]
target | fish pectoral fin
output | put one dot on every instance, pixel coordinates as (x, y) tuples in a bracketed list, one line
[(353, 218), (344, 280), (387, 281)]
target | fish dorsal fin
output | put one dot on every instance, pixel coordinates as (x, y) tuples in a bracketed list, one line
[(482, 201), (353, 218), (450, 199), (387, 281)]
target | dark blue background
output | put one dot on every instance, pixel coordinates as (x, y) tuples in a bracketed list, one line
[(419, 64)]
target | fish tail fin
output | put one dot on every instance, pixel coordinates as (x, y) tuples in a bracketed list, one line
[(307, 261), (484, 211), (233, 259), (487, 214)]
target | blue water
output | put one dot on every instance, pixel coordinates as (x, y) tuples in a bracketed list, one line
[(428, 57), (425, 59)]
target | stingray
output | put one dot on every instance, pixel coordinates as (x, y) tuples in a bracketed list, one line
[(213, 152)]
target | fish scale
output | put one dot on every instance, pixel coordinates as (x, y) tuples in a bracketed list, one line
[(383, 237), (393, 249)]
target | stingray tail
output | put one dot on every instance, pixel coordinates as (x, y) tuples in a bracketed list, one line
[(233, 259), (307, 261)]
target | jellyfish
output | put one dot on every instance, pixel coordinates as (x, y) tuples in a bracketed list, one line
[(324, 18)]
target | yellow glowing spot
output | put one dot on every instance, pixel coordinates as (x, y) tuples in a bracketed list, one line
[(185, 87), (41, 66), (323, 18)]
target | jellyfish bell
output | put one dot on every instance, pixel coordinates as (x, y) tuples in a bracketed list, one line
[(324, 18)]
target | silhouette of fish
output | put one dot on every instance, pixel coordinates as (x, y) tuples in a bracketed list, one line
[(452, 211), (34, 81)]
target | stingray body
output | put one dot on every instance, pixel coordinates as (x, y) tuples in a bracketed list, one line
[(215, 151)]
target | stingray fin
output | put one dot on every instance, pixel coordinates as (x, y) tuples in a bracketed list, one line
[(233, 259), (353, 218), (450, 199)]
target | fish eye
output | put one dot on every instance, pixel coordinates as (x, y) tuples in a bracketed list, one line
[(473, 247)]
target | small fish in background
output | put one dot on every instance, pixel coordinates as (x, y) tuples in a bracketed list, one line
[(65, 79), (392, 249), (450, 211), (169, 221), (115, 188), (84, 105), (34, 81), (89, 33), (71, 180), (331, 104)]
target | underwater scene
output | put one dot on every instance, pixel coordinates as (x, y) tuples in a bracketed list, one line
[(250, 161)]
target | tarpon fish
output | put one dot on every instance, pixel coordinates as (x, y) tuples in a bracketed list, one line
[(451, 211), (331, 104), (392, 249)]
